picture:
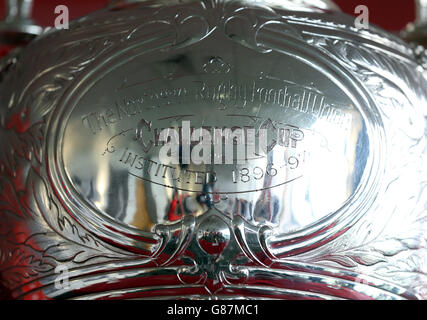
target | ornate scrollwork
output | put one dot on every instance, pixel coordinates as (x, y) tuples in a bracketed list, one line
[(31, 91), (38, 233), (377, 245)]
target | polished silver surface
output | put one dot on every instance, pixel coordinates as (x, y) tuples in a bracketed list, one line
[(334, 207)]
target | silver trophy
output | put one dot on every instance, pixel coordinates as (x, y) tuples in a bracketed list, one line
[(214, 150)]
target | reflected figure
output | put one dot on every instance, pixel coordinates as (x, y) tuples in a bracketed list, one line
[(119, 203), (141, 218)]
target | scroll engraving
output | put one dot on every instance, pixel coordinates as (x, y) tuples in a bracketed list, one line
[(385, 246)]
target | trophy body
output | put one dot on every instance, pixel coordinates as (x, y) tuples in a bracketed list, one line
[(213, 150)]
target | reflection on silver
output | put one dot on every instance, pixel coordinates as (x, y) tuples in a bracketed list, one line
[(335, 210)]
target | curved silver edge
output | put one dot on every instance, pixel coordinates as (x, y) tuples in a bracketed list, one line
[(284, 281)]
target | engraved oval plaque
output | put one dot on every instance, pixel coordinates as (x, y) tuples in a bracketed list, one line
[(301, 155), (211, 150)]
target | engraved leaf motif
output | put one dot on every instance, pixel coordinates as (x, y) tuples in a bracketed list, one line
[(36, 77), (394, 85), (9, 202), (342, 260), (392, 247), (393, 81), (69, 242), (16, 193), (369, 252), (367, 257), (19, 262), (30, 92), (65, 251), (408, 271), (399, 256), (352, 259), (27, 145)]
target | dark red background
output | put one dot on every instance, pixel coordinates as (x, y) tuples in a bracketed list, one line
[(392, 15)]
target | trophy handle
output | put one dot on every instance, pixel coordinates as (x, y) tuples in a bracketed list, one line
[(421, 15), (18, 28), (415, 34), (18, 10)]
